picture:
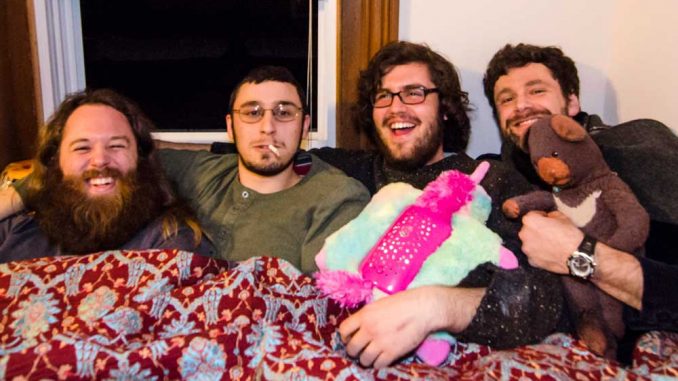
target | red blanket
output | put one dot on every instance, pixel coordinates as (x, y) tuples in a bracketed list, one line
[(155, 315)]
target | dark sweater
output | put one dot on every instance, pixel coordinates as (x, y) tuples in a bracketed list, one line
[(520, 306), (644, 153)]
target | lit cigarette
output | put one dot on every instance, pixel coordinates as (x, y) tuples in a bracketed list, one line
[(274, 150)]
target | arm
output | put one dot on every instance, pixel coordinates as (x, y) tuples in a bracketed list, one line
[(491, 306), (389, 328), (10, 202), (549, 240), (633, 222), (163, 144), (519, 205)]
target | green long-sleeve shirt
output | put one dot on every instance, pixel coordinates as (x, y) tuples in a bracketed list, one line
[(291, 224)]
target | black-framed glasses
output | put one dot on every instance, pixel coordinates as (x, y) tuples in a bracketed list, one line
[(282, 112), (409, 96)]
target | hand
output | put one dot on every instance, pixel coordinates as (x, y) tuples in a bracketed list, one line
[(549, 240), (389, 328), (510, 208)]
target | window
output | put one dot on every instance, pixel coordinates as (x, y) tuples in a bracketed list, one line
[(180, 58)]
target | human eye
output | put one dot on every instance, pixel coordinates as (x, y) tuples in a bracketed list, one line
[(414, 94), (382, 95), (538, 90), (118, 145), (284, 111), (505, 99), (253, 111), (80, 148)]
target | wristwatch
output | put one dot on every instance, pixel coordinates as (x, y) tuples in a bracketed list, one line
[(581, 262)]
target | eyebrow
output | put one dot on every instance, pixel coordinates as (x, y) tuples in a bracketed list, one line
[(505, 90), (113, 138), (501, 92), (407, 87), (535, 82), (275, 103)]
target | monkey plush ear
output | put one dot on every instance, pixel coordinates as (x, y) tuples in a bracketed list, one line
[(567, 128)]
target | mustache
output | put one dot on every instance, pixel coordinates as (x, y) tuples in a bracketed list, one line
[(529, 113), (400, 116), (106, 172)]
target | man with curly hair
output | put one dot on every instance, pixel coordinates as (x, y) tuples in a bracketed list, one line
[(525, 82), (412, 107)]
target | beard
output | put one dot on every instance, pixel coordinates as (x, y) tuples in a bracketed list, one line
[(78, 223), (535, 111), (270, 169), (267, 170), (420, 153)]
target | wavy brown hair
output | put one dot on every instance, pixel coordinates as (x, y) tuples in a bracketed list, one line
[(47, 157), (454, 101), (509, 57)]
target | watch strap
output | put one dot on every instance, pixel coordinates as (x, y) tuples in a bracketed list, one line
[(587, 245)]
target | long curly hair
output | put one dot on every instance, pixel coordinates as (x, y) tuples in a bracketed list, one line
[(51, 135), (454, 101), (509, 57)]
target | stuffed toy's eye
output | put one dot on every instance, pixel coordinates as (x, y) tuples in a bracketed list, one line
[(554, 154)]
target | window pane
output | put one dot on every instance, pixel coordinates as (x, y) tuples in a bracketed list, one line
[(180, 58)]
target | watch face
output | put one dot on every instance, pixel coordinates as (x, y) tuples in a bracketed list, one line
[(580, 265)]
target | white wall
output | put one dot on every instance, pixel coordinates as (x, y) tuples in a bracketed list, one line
[(622, 50)]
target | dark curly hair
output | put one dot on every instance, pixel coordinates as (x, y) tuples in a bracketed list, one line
[(562, 67), (453, 101), (269, 73)]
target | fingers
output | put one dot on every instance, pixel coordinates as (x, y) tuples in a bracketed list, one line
[(558, 215), (349, 326), (356, 344), (359, 344), (367, 352)]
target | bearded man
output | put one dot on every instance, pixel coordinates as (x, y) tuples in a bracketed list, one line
[(97, 186), (253, 203)]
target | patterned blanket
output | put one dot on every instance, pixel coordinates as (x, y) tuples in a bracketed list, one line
[(166, 315)]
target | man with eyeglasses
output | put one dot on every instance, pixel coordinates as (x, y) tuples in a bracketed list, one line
[(253, 203), (412, 107)]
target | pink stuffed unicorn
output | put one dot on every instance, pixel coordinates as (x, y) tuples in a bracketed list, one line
[(407, 238)]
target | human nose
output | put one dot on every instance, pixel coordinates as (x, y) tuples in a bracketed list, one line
[(397, 102), (267, 122), (99, 157), (522, 102)]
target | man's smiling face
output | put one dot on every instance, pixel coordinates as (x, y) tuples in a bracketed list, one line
[(409, 135), (97, 148), (525, 94)]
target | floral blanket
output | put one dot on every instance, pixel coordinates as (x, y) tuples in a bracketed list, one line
[(166, 315)]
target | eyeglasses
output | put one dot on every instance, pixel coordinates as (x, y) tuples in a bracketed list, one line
[(409, 96), (282, 112)]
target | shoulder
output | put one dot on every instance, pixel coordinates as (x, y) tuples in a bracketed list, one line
[(20, 223), (359, 165), (504, 181), (352, 162), (341, 155), (199, 160), (637, 133), (325, 176)]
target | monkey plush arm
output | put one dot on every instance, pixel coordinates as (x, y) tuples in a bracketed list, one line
[(517, 206)]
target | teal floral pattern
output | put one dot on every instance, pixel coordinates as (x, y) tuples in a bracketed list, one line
[(169, 315), (34, 316), (97, 304), (203, 360)]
